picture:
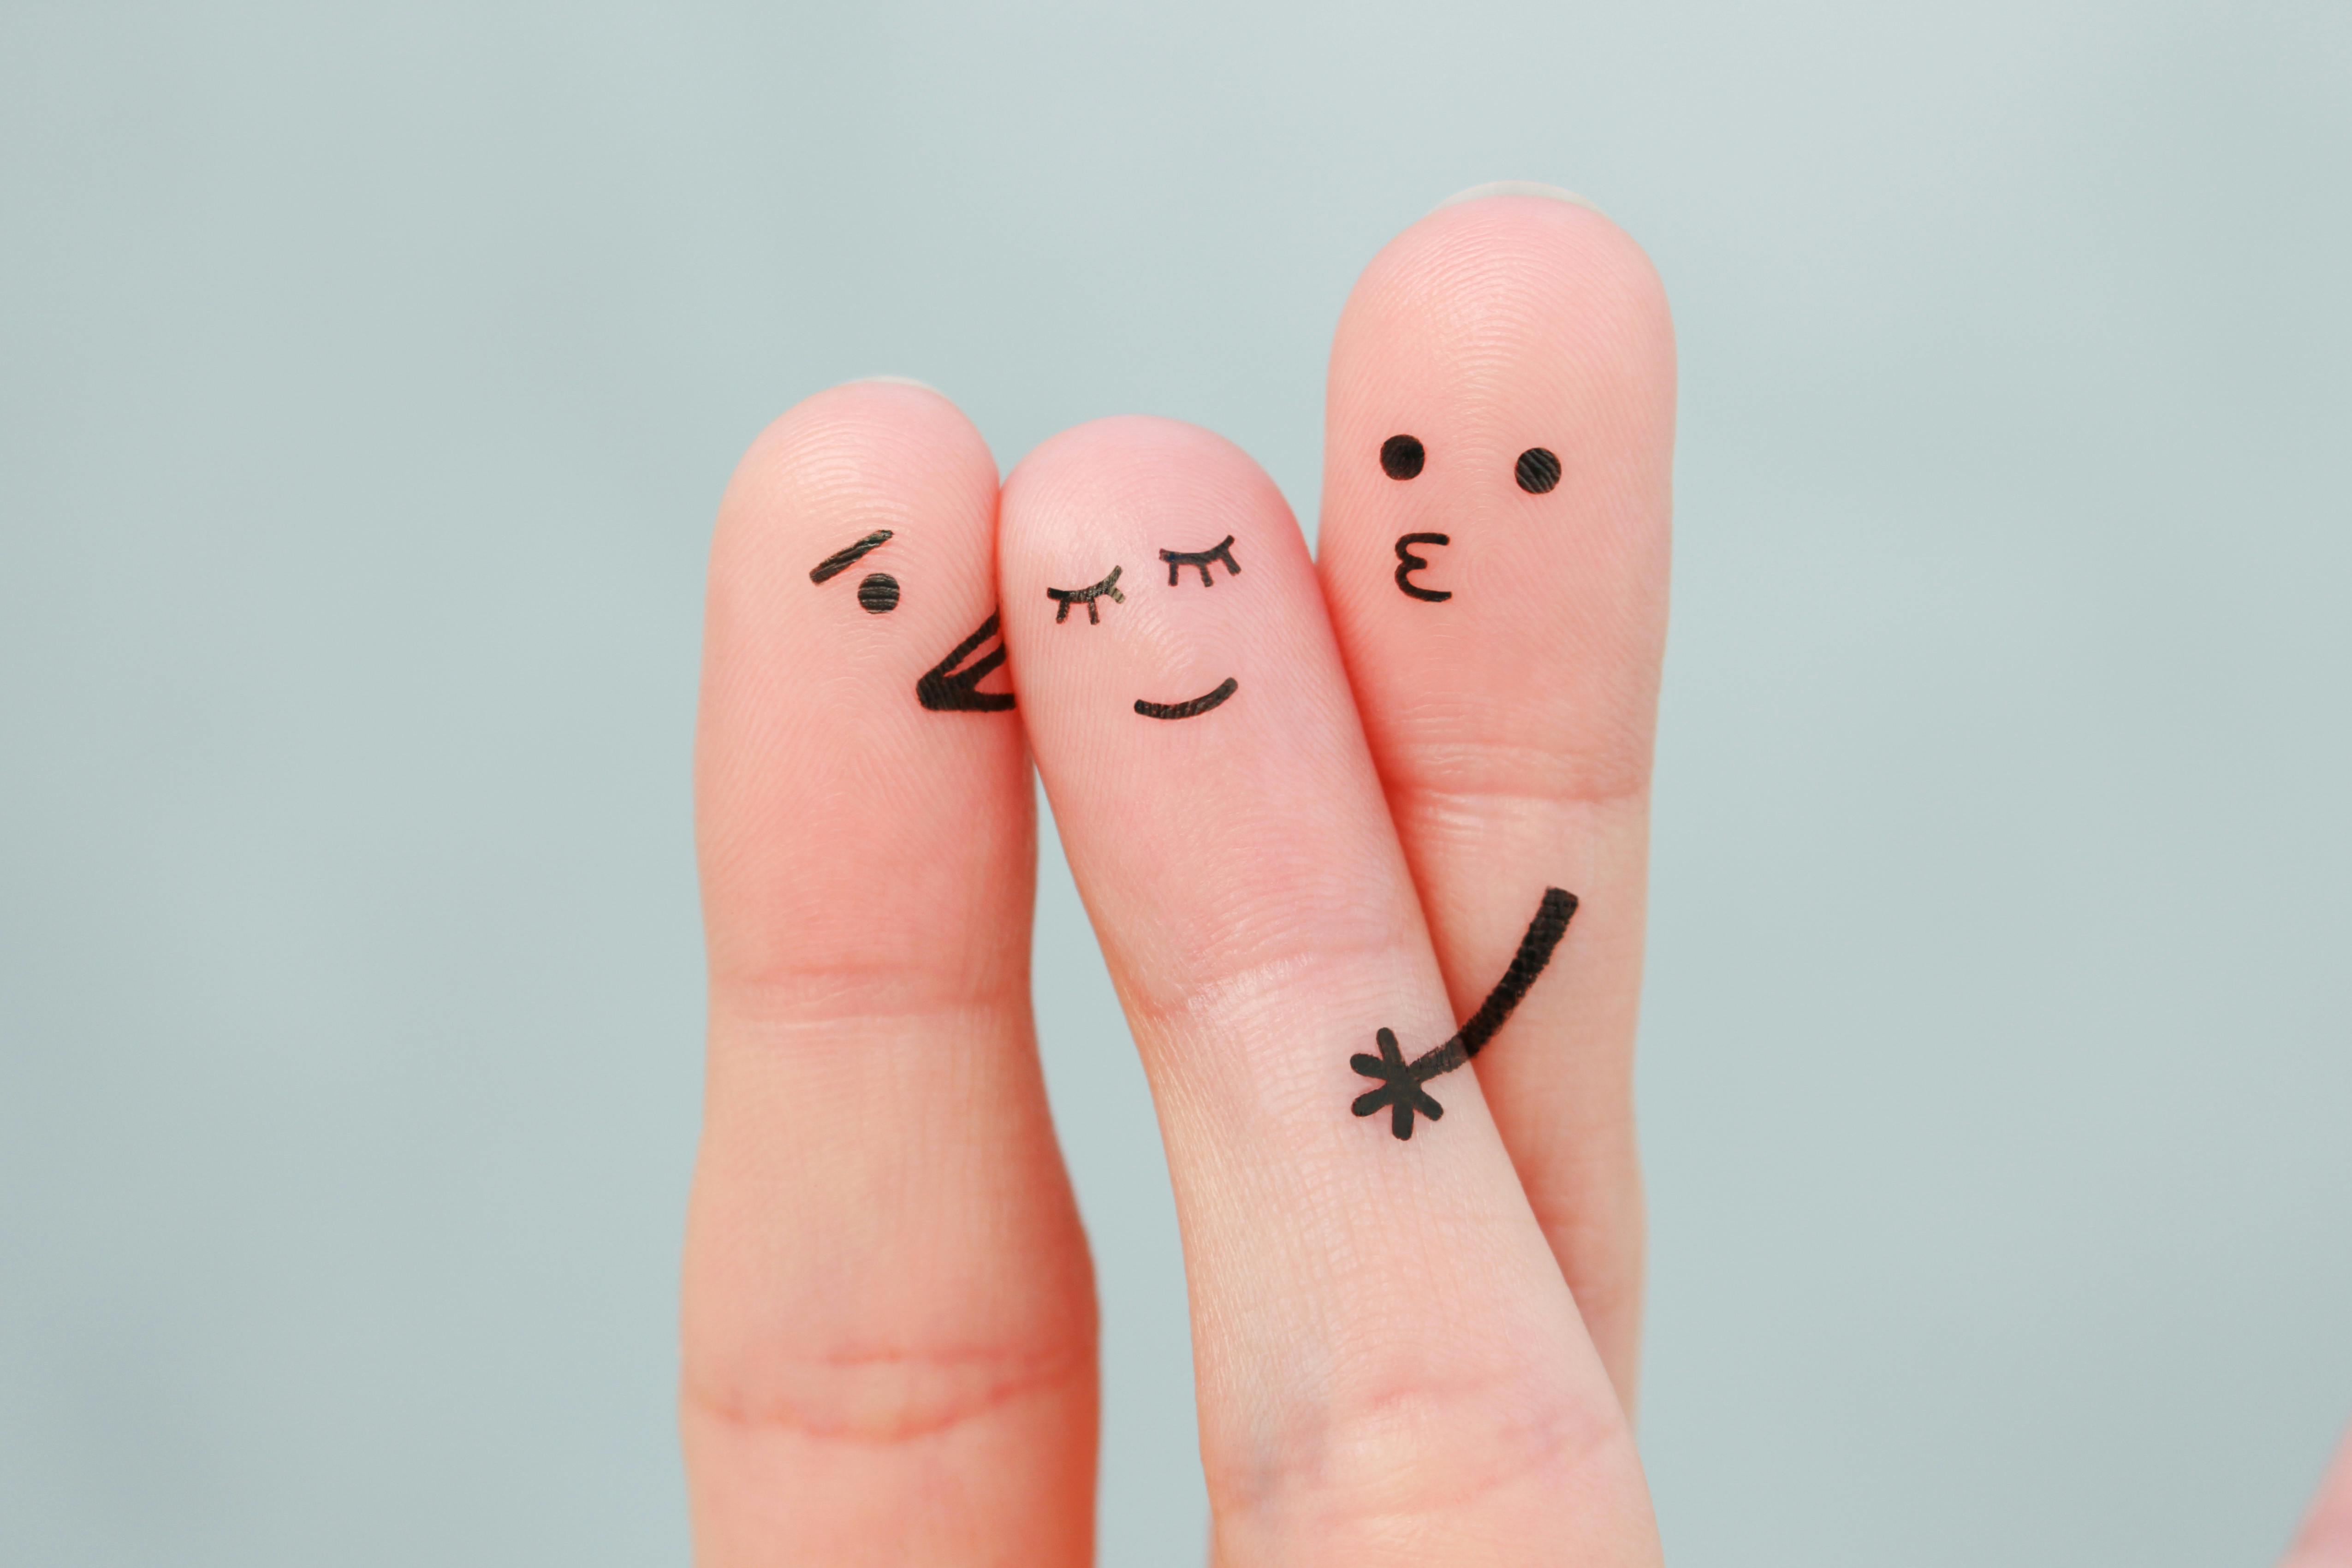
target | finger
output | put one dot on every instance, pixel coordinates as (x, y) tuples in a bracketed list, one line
[(1496, 496), (1390, 1365), (2326, 1539), (888, 1321)]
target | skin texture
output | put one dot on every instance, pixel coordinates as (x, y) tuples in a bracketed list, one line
[(889, 1321), (889, 1316), (1418, 1351), (1390, 1367), (1513, 722)]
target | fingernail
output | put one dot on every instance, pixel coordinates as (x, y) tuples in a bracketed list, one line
[(898, 381), (1517, 188)]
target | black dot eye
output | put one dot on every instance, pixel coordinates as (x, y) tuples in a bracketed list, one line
[(1537, 471), (1402, 456), (878, 594)]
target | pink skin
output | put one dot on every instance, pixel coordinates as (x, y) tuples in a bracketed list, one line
[(888, 1319), (1417, 1353), (1512, 724), (888, 1315), (2326, 1539), (1390, 1368)]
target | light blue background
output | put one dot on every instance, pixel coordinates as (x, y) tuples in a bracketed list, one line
[(367, 382)]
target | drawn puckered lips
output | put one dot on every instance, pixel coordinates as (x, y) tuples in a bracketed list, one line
[(946, 689)]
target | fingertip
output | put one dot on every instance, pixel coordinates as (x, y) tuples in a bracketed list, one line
[(1498, 272), (838, 467), (1144, 434), (1124, 463), (851, 579), (1181, 692), (894, 381), (858, 445), (1522, 349), (1519, 188), (1495, 550), (888, 1330), (1112, 494)]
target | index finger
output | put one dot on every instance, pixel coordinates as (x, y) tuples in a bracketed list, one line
[(887, 1316)]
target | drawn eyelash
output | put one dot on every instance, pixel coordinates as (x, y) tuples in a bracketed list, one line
[(1066, 597), (1179, 559)]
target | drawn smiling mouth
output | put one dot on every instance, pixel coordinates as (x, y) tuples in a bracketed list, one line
[(1198, 705)]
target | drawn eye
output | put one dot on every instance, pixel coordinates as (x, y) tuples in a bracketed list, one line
[(1179, 559), (878, 594), (1537, 470), (1066, 597), (1402, 456)]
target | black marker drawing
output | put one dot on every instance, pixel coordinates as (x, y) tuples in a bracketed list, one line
[(1402, 456), (842, 560), (1537, 470), (1179, 559), (877, 595), (1407, 564), (1400, 1081), (1200, 704), (944, 688), (1066, 597)]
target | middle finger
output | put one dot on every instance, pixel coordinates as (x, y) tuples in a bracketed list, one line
[(1389, 1361)]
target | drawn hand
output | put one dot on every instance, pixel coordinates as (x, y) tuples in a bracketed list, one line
[(1309, 813)]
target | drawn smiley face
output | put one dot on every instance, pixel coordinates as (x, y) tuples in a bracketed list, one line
[(1403, 456), (1092, 597)]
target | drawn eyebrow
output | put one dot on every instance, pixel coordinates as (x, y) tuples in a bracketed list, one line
[(842, 560), (1179, 559), (1066, 597)]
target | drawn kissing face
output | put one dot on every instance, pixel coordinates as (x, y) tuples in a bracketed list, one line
[(1403, 457)]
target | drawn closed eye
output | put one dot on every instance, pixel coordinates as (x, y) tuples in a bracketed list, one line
[(1179, 559), (1066, 597)]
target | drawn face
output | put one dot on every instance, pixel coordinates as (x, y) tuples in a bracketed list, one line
[(943, 687), (1402, 458), (1177, 560)]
